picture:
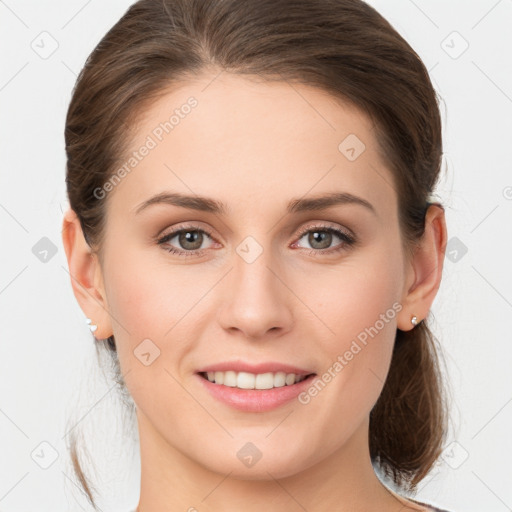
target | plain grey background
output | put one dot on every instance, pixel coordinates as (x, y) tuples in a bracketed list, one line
[(49, 379)]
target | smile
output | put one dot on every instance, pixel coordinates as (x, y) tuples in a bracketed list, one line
[(254, 392)]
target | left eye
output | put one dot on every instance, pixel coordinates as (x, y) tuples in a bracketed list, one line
[(321, 238)]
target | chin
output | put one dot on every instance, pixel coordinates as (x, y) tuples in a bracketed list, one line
[(247, 462)]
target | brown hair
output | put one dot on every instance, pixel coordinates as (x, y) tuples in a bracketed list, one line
[(343, 47)]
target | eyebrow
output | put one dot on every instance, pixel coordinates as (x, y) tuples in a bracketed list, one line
[(206, 204)]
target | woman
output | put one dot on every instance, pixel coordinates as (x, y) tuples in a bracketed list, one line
[(252, 236)]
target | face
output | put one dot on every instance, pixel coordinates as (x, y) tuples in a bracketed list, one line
[(267, 282)]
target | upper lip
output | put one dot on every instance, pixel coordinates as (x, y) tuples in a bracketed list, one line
[(266, 367)]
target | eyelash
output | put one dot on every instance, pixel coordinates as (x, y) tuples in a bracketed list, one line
[(347, 240)]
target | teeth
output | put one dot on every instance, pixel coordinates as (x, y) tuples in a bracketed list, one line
[(290, 379), (245, 380)]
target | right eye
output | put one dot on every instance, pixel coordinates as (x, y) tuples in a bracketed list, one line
[(190, 239)]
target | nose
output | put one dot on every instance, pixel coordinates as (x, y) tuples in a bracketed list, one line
[(257, 303)]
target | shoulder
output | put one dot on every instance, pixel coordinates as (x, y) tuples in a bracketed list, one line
[(430, 508), (425, 507)]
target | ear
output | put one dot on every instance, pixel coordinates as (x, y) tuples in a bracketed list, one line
[(86, 276), (424, 270)]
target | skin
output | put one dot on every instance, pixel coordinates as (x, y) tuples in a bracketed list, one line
[(255, 146)]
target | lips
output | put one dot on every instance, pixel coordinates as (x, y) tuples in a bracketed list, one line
[(240, 366), (254, 387)]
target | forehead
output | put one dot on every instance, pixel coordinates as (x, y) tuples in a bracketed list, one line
[(249, 142)]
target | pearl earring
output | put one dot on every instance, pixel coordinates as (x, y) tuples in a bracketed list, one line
[(414, 321), (91, 326)]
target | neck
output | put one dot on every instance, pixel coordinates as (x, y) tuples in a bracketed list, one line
[(345, 481)]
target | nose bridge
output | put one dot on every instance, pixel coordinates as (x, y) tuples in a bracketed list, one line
[(256, 300)]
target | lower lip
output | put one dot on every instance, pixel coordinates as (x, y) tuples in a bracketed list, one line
[(255, 400)]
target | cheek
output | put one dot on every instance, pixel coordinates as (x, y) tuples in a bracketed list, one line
[(361, 293), (360, 349), (148, 298), (359, 302), (151, 313), (148, 304), (158, 314)]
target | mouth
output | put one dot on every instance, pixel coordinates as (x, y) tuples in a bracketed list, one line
[(258, 381), (254, 392)]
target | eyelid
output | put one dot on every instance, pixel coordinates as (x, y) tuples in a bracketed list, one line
[(194, 226), (321, 224)]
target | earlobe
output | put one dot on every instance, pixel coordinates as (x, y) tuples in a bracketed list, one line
[(425, 268), (85, 275)]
